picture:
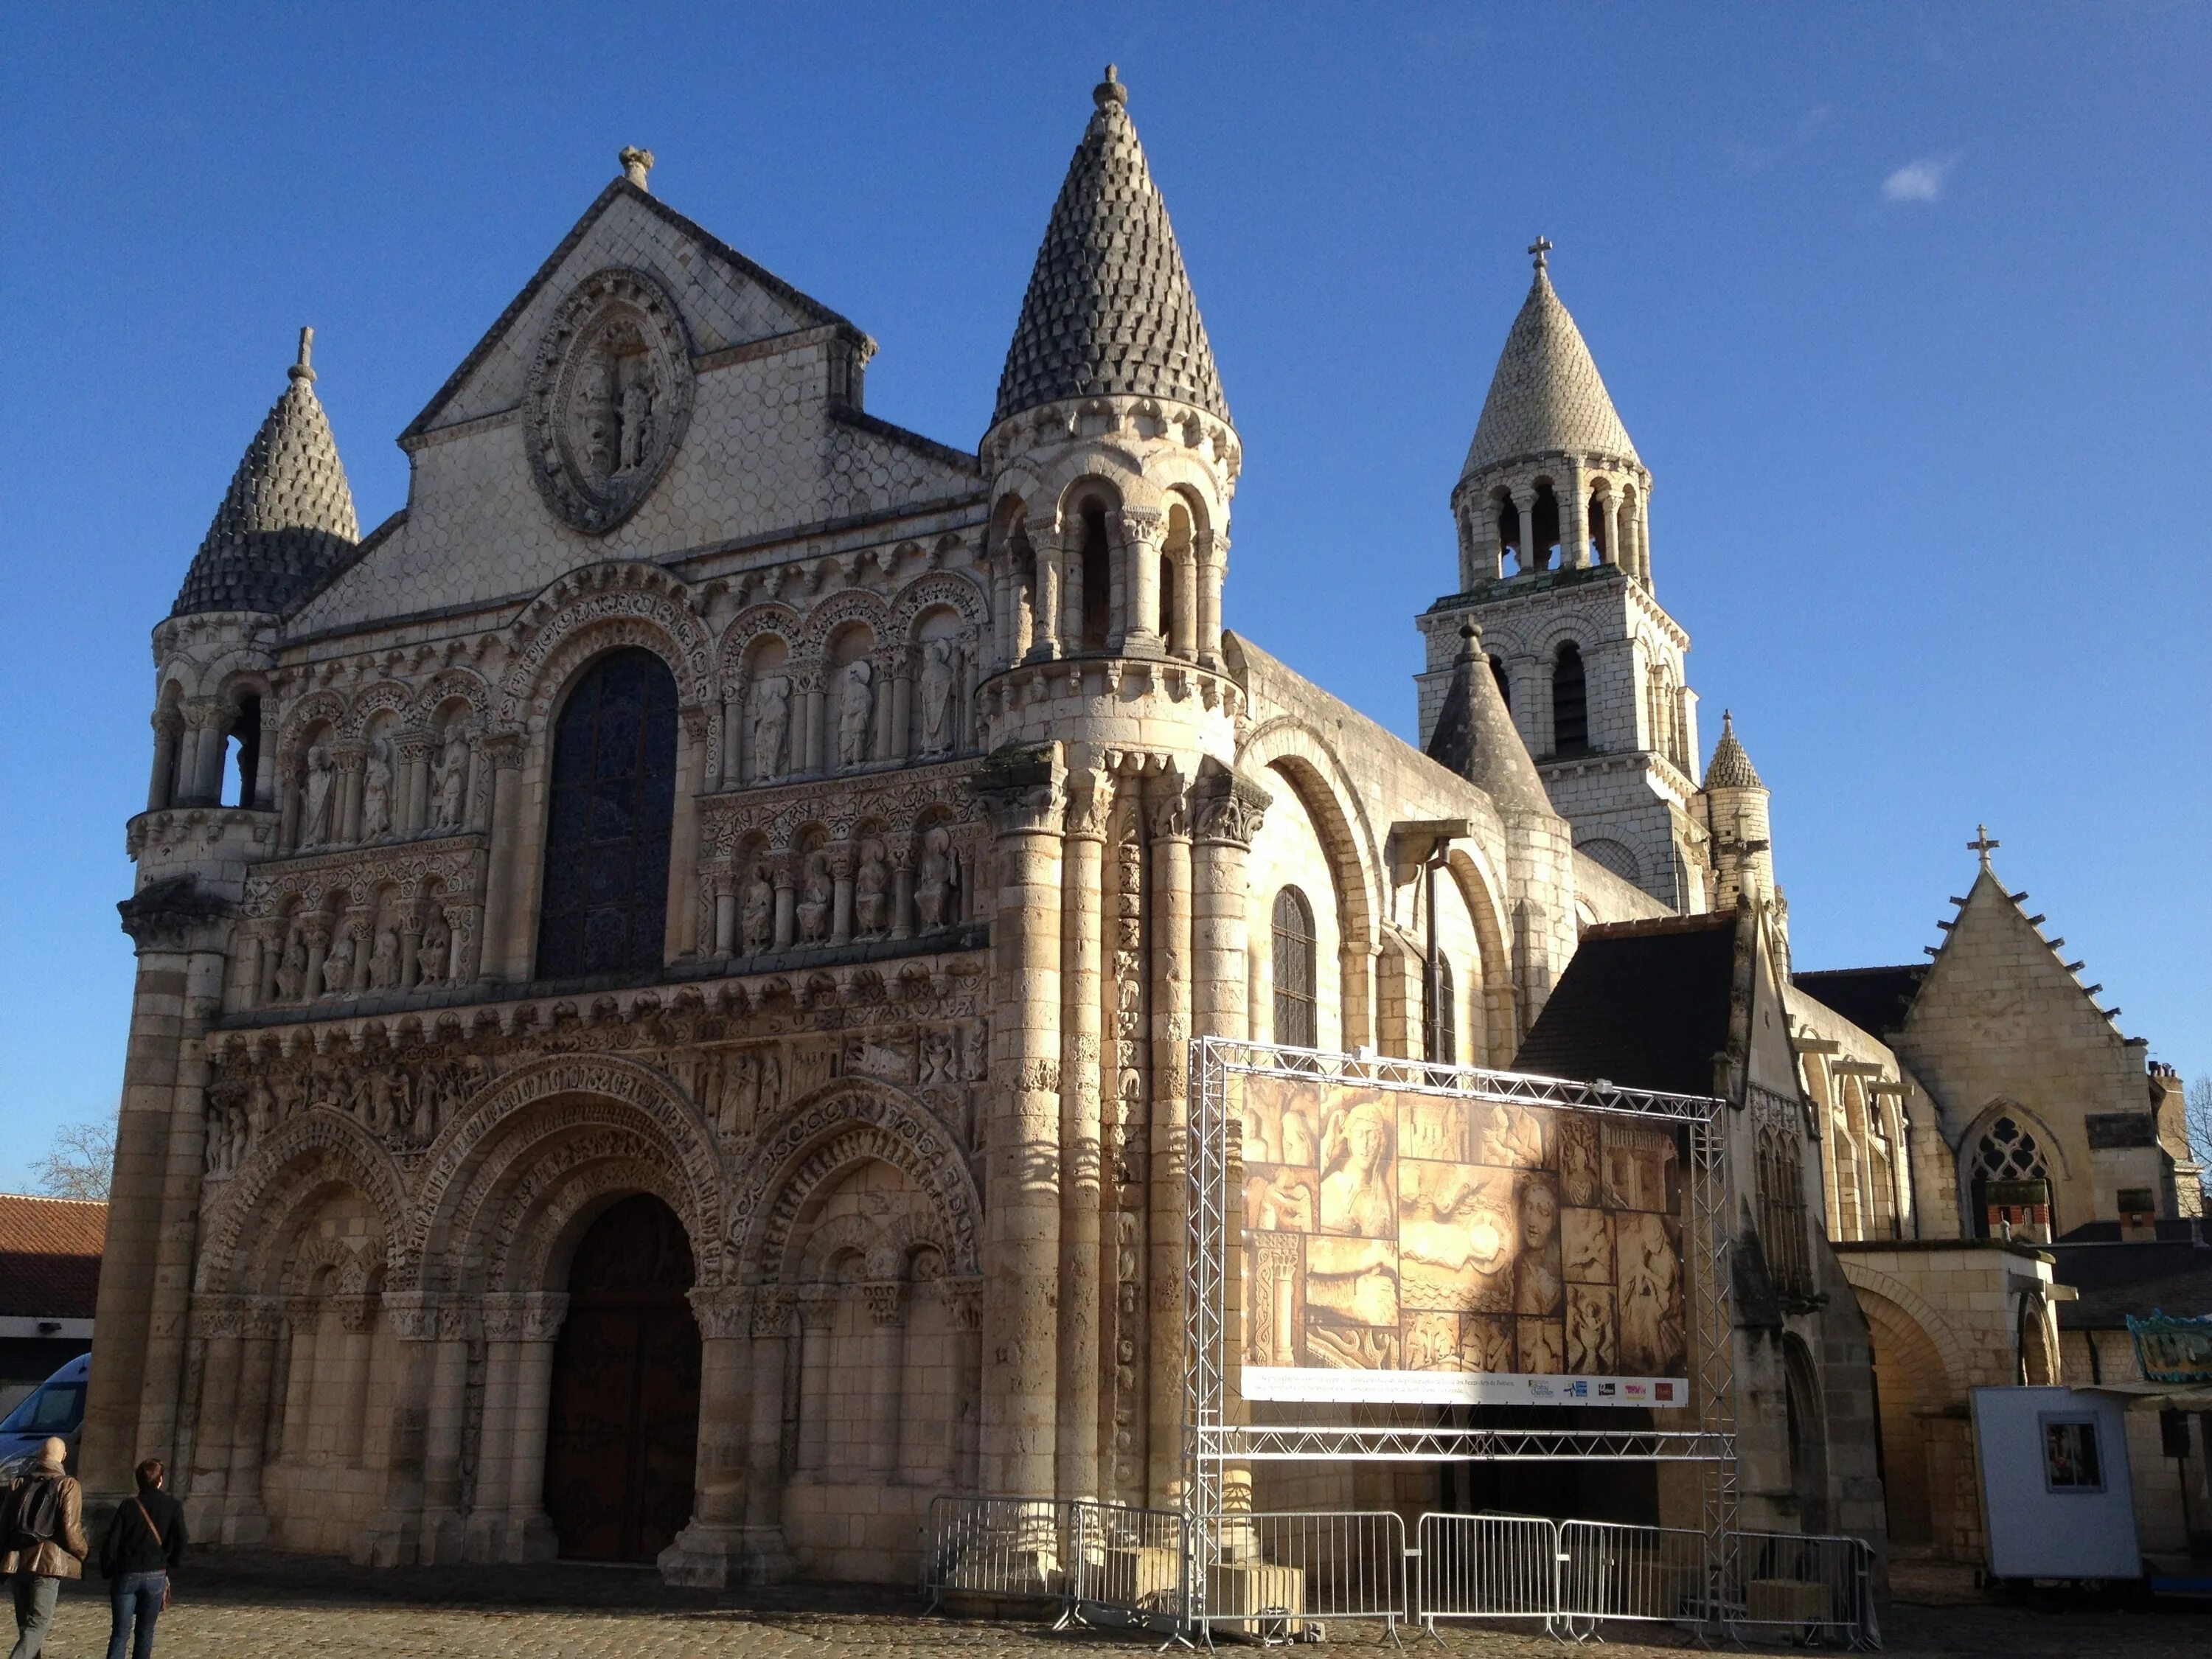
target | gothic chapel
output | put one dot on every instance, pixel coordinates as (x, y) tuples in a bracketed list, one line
[(664, 969)]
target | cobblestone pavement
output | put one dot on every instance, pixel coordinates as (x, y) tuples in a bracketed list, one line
[(246, 1607)]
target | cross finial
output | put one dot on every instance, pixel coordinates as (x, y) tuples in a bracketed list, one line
[(1540, 248), (1982, 843), (303, 369)]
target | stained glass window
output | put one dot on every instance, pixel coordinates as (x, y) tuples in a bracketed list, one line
[(609, 814), (1296, 1002)]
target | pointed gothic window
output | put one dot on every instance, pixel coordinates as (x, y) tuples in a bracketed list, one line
[(2011, 1184), (610, 810), (1296, 999), (1440, 1025), (1570, 702)]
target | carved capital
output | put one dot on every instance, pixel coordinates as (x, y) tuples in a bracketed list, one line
[(171, 914), (723, 1311), (542, 1312), (414, 1315), (817, 1306), (206, 714), (1090, 801), (1144, 525), (503, 1314), (772, 1309), (356, 1314), (1022, 786), (216, 1317), (504, 750), (1230, 808), (963, 1303), (1167, 806), (886, 1301)]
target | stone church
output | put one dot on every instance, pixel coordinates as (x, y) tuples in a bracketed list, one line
[(665, 968)]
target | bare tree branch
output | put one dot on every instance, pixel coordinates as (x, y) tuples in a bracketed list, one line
[(79, 1163)]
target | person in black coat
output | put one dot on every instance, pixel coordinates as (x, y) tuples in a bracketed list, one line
[(144, 1544)]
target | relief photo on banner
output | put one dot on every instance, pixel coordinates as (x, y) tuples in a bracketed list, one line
[(1428, 1249)]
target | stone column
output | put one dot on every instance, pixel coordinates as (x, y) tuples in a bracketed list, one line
[(1212, 573), (723, 885), (529, 1531), (304, 1313), (1643, 534), (680, 936), (361, 923), (395, 1538), (902, 859), (1142, 533), (351, 760), (817, 1310), (444, 1425), (733, 720), (1083, 1013), (784, 870), (767, 1558), (208, 720), (813, 700), (168, 732), (1045, 540), (887, 1317), (1168, 809), (245, 1519), (502, 1316), (412, 753), (1022, 1162), (899, 740), (504, 876), (218, 1323), (1574, 519), (710, 1550), (1184, 640), (1074, 557), (1002, 611), (963, 1307), (356, 1346), (840, 892)]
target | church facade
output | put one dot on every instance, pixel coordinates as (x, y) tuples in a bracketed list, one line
[(665, 969)]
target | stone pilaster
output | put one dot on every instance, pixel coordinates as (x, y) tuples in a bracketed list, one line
[(1022, 1153), (395, 1536), (1168, 809), (711, 1550), (245, 1518), (764, 1557), (529, 1530), (503, 955), (218, 1323)]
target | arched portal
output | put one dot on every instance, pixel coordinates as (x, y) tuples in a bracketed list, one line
[(621, 1435)]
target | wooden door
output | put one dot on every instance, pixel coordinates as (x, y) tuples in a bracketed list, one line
[(623, 1432)]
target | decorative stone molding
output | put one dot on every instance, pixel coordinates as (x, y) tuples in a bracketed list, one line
[(723, 1311), (587, 611), (1025, 785), (356, 1314), (610, 398), (773, 1305), (886, 1301), (414, 1315), (963, 1303), (1230, 809), (173, 914)]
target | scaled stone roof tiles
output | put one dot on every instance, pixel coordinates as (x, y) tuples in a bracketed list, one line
[(1109, 309), (1476, 738), (287, 517), (1547, 396), (1645, 1005), (1731, 768)]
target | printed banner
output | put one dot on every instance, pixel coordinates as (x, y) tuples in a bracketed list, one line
[(1420, 1249)]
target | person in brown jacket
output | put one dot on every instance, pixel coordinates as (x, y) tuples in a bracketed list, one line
[(39, 1566)]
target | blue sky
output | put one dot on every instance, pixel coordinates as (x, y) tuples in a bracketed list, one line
[(1905, 305)]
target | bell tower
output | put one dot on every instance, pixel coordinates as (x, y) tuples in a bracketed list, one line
[(1553, 509)]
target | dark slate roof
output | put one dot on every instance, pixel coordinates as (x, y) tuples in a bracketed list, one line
[(1476, 738), (2171, 1276), (50, 1256), (1547, 396), (1643, 1003), (1109, 310), (1873, 998), (288, 515)]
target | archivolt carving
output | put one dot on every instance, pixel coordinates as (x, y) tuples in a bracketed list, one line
[(484, 1128), (829, 1133), (316, 706), (751, 624), (599, 609), (444, 686), (518, 1246), (315, 1150), (938, 587), (353, 1266), (854, 604), (366, 705), (884, 1244)]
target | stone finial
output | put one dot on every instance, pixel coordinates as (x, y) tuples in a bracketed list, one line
[(1110, 90), (1983, 843), (637, 164), (1540, 248), (303, 368)]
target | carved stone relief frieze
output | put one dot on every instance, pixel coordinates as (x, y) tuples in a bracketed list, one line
[(338, 925)]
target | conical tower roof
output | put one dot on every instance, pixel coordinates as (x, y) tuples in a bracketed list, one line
[(1547, 395), (1109, 310), (1731, 768), (289, 512), (1476, 738)]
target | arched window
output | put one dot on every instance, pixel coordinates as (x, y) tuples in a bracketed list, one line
[(2012, 1184), (1504, 683), (1510, 540), (1096, 601), (1440, 1021), (1599, 523), (1297, 1003), (1570, 702), (1781, 1177), (609, 814), (1544, 533)]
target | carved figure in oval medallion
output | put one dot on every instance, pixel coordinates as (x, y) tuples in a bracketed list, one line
[(771, 721)]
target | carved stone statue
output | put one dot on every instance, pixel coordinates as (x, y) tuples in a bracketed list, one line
[(937, 673), (338, 966), (384, 960), (933, 892), (856, 712), (771, 1081), (292, 971), (453, 778), (814, 900), (637, 415), (771, 721), (937, 1057), (376, 791), (759, 912), (871, 905), (316, 806), (434, 953)]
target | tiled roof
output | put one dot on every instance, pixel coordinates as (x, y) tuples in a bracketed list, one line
[(1643, 1003), (1731, 768), (289, 512), (1475, 737), (1547, 395), (1873, 998), (1109, 309), (50, 1256), (2172, 1275)]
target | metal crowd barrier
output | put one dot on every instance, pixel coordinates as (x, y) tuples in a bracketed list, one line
[(1609, 1572), (1813, 1588), (1487, 1566), (1284, 1575), (1128, 1566), (1003, 1548)]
